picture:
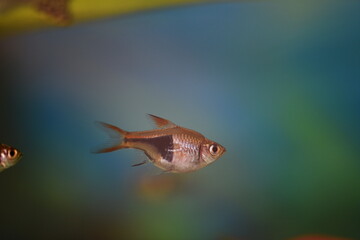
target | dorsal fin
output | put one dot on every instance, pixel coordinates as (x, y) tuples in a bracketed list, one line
[(161, 122)]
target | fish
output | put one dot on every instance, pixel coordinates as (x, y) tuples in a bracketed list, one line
[(170, 147), (9, 156)]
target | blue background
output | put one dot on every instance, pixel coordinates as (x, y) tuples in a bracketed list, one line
[(276, 83)]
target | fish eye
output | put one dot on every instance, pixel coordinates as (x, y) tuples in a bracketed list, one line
[(214, 149), (12, 153)]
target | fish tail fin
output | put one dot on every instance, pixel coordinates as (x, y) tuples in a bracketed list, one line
[(117, 142)]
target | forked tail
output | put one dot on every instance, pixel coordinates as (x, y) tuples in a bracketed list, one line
[(120, 135)]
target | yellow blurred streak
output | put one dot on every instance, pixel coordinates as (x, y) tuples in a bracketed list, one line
[(26, 17), (98, 9)]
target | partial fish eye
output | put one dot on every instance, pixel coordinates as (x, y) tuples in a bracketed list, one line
[(12, 153), (214, 149)]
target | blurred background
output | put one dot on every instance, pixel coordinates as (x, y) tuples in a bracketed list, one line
[(275, 82)]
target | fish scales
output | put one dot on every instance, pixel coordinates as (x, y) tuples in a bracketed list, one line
[(187, 143)]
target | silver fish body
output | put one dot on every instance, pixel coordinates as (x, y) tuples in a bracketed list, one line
[(9, 156), (172, 148)]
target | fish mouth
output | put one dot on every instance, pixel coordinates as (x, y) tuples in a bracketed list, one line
[(222, 152)]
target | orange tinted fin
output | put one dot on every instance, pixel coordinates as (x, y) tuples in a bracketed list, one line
[(161, 122), (120, 135)]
